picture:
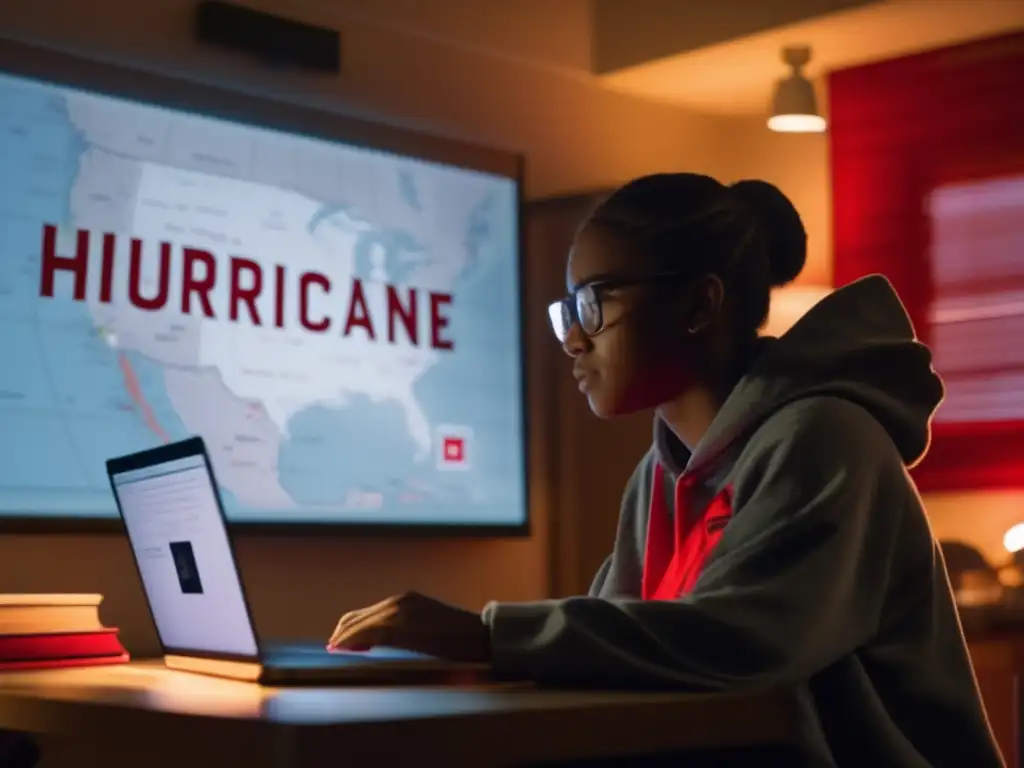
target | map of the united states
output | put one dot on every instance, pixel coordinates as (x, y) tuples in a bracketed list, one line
[(379, 348)]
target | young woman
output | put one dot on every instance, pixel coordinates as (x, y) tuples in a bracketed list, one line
[(772, 534)]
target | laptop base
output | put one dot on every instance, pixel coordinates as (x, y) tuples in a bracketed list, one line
[(336, 669), (246, 671)]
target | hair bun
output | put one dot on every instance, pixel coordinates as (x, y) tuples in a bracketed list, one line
[(787, 238)]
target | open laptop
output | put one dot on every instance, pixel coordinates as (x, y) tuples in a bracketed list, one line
[(172, 510)]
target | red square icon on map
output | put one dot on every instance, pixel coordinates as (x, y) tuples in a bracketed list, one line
[(453, 446), (454, 449)]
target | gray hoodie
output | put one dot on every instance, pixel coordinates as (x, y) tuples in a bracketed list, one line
[(826, 576)]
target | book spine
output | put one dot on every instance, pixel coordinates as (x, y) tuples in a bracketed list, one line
[(52, 646), (92, 661)]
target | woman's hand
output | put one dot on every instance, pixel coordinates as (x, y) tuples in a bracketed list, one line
[(417, 623)]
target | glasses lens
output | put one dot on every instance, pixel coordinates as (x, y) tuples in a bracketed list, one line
[(588, 307), (561, 319)]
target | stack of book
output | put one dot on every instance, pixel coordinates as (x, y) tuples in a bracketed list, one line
[(53, 631)]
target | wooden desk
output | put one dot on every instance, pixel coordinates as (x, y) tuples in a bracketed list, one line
[(152, 716)]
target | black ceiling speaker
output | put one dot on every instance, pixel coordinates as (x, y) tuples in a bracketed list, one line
[(273, 39)]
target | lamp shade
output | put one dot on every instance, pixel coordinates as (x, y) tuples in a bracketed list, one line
[(794, 103)]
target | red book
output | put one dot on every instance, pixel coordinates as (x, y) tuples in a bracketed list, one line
[(60, 645), (82, 661)]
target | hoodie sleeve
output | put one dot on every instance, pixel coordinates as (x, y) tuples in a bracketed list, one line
[(797, 581)]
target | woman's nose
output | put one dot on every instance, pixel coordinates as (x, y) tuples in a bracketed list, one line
[(576, 341)]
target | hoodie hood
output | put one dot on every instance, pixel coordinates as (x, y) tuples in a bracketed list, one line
[(858, 344)]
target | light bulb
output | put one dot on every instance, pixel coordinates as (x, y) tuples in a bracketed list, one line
[(797, 123), (1013, 539)]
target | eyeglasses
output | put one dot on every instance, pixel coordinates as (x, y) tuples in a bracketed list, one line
[(585, 304)]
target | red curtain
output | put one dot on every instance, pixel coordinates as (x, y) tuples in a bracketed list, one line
[(900, 130)]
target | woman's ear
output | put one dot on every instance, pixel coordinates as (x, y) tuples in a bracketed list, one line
[(704, 302)]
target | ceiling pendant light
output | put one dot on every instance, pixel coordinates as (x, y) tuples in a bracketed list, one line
[(794, 105)]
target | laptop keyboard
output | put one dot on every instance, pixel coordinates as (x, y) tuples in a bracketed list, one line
[(309, 655)]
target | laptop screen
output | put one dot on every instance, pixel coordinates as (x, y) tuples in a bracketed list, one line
[(180, 541)]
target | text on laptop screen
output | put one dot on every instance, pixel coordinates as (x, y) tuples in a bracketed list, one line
[(180, 542), (341, 325)]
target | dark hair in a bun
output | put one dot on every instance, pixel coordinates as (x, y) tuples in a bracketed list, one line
[(784, 230), (749, 235)]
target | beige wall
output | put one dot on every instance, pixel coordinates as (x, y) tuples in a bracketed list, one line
[(574, 134), (628, 33), (554, 36), (798, 164), (980, 518)]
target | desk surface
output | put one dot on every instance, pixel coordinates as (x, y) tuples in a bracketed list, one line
[(143, 706)]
